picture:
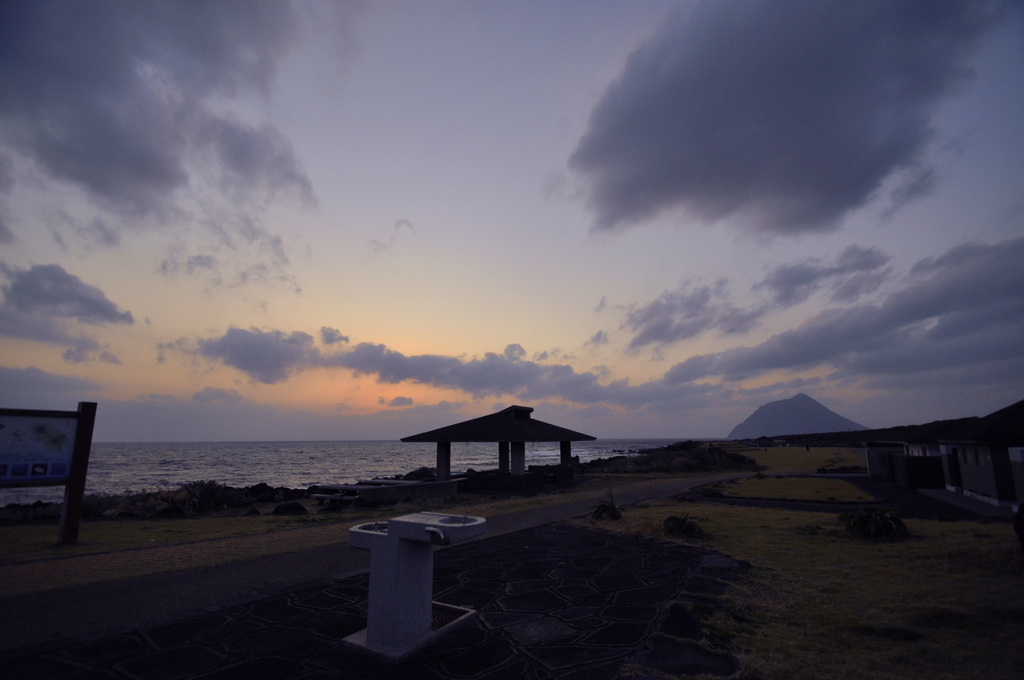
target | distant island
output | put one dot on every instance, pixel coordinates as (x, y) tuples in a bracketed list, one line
[(798, 415)]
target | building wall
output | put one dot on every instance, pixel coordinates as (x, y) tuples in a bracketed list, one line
[(1016, 456), (986, 472), (923, 449)]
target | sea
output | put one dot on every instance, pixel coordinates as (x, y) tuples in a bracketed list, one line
[(118, 467)]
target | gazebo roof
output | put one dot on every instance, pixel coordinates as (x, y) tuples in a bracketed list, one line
[(512, 424)]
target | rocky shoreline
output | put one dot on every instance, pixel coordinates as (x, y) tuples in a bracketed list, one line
[(203, 497)]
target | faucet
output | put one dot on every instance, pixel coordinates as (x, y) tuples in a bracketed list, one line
[(437, 536)]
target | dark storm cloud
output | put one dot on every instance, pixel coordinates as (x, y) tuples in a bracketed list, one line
[(114, 96), (788, 114), (855, 273), (686, 312), (961, 309)]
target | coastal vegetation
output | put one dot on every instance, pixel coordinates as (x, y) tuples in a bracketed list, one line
[(688, 456), (822, 602)]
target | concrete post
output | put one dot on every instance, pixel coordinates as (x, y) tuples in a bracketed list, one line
[(402, 576), (518, 459), (502, 456), (444, 461), (565, 448)]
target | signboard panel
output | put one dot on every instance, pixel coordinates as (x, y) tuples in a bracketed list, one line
[(36, 450), (49, 448)]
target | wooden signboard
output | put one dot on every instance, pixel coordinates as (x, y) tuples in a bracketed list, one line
[(49, 448)]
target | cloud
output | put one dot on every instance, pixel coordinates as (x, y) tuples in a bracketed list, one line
[(396, 402), (685, 313), (598, 338), (42, 304), (380, 247), (6, 235), (964, 308), (31, 387), (784, 114), (332, 336), (48, 290), (118, 98), (855, 273), (268, 357), (216, 394)]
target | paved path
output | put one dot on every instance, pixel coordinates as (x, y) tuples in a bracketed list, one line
[(103, 609), (556, 602)]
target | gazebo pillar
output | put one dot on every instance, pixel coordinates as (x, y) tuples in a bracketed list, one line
[(565, 448), (503, 457), (518, 459), (444, 461)]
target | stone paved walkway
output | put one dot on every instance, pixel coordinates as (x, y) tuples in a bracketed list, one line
[(557, 602)]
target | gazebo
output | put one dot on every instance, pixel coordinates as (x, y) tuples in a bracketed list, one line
[(511, 428)]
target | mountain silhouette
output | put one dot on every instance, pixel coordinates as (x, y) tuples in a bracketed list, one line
[(798, 415)]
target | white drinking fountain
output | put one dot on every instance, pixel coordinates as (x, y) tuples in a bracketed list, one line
[(401, 617)]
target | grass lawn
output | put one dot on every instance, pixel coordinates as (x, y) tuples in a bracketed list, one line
[(798, 459), (799, 488), (947, 603)]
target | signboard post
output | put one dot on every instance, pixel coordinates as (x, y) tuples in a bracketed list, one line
[(49, 448)]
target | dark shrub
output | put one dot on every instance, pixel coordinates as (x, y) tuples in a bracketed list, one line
[(683, 526), (605, 509), (876, 524)]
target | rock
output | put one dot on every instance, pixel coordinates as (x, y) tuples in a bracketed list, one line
[(287, 494), (291, 508), (261, 493), (253, 511), (420, 473)]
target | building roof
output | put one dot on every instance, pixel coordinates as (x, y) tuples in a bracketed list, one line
[(938, 430), (512, 424), (1005, 426)]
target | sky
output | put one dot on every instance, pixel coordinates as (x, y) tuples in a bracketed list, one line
[(262, 220)]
